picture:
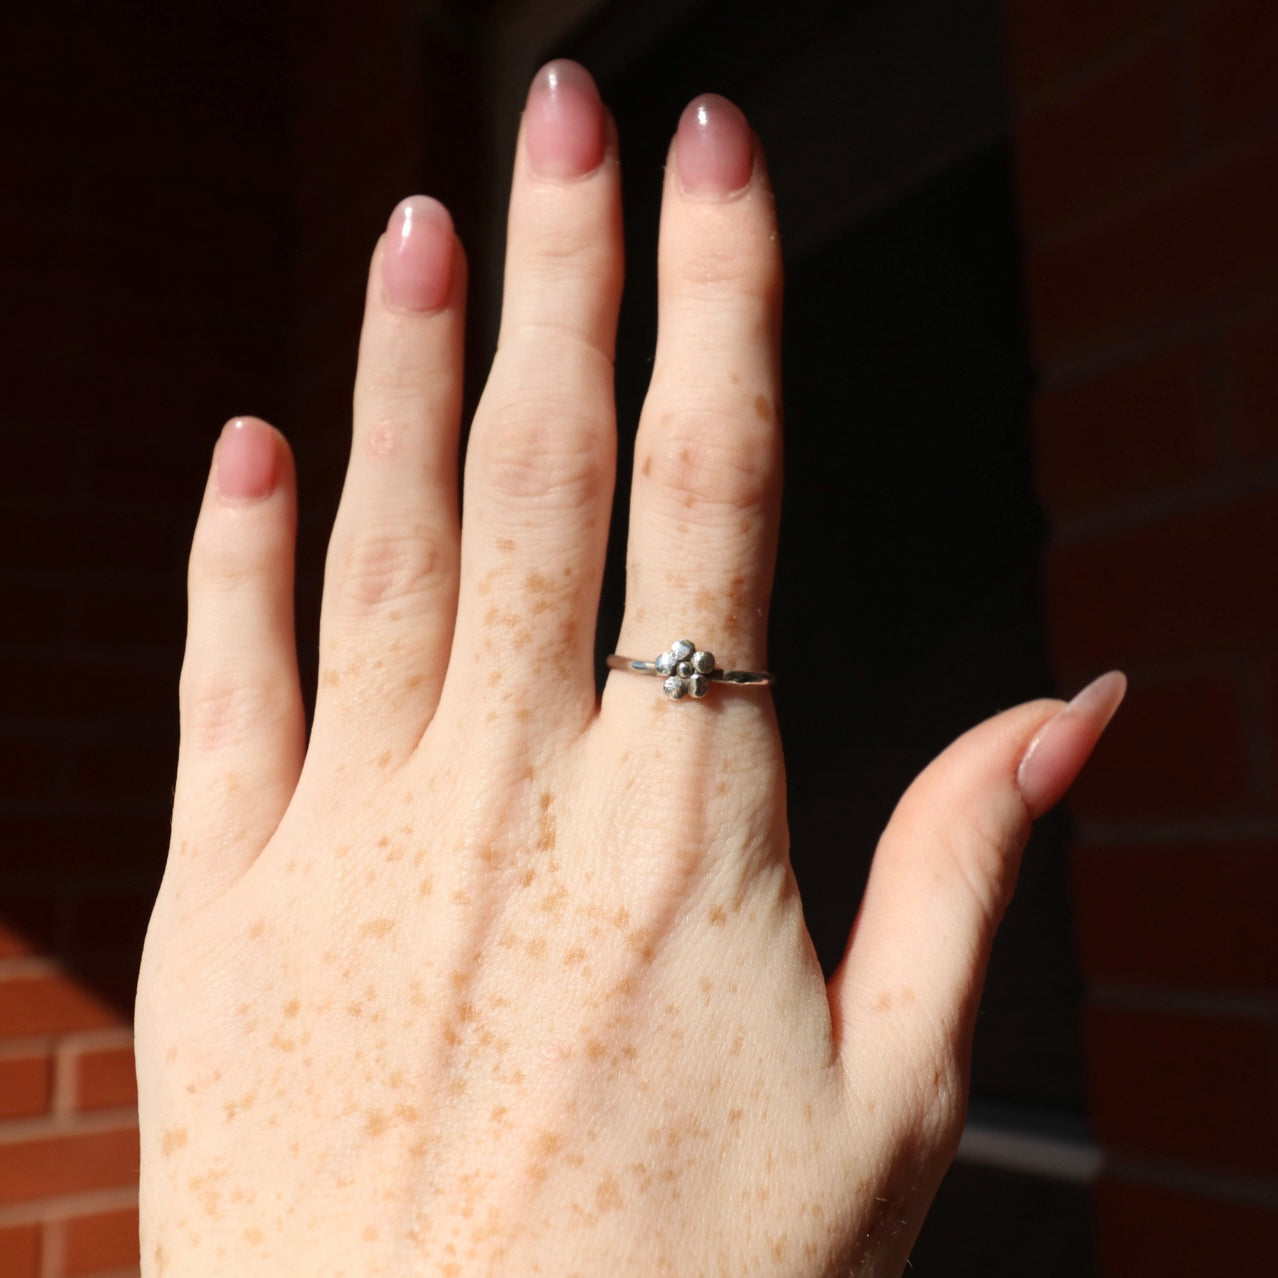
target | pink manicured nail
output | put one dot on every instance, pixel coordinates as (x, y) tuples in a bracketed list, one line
[(417, 269), (714, 148), (1057, 755), (247, 460), (564, 122)]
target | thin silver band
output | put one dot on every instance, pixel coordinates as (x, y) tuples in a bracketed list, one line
[(743, 678), (688, 671)]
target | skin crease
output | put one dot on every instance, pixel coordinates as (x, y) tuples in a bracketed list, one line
[(488, 978)]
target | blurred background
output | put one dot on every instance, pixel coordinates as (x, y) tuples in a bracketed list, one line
[(1032, 433)]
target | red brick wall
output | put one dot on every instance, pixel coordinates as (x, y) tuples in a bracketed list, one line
[(146, 275), (1147, 151)]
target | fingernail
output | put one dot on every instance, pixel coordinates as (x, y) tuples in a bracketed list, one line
[(246, 461), (564, 122), (1063, 745), (417, 267), (714, 148)]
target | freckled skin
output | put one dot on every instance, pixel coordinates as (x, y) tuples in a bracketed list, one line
[(486, 974)]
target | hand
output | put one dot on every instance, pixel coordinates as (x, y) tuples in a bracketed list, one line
[(489, 977)]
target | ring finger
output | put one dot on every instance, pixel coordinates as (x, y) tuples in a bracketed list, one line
[(706, 488)]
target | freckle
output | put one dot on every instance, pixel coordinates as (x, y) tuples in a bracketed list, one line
[(377, 927), (171, 1054), (646, 468), (343, 849), (762, 407), (375, 1122), (461, 897), (639, 941), (735, 1115), (735, 379), (283, 1044), (506, 544), (608, 1194), (383, 759), (737, 1044), (330, 678), (574, 956), (884, 1002), (370, 1233), (257, 929), (536, 946), (595, 1049), (172, 1139), (292, 1007)]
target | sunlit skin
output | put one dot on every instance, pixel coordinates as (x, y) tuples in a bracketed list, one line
[(489, 976)]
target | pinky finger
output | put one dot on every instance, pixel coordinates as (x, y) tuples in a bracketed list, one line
[(243, 728)]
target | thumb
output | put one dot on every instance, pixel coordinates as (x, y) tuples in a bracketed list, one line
[(942, 876)]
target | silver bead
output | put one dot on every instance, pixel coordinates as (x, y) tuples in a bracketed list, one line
[(703, 662), (684, 670), (682, 649), (675, 688), (666, 663), (698, 686)]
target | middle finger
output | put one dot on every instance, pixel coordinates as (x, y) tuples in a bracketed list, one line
[(540, 464)]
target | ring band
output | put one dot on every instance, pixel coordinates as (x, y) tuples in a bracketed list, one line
[(689, 671)]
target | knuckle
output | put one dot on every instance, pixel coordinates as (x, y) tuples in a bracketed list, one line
[(724, 267), (223, 562), (222, 711), (943, 1092), (713, 462), (548, 454), (380, 568)]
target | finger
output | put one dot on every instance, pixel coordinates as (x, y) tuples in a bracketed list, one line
[(942, 877), (541, 456), (706, 489), (390, 585), (241, 706)]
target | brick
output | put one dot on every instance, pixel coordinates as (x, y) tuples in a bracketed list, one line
[(1250, 376), (1234, 46), (20, 1251), (108, 1240), (26, 1083), (1048, 41), (68, 1163), (1151, 1229), (1191, 1089), (105, 1079), (1197, 581), (1208, 773), (1196, 915), (1200, 244), (1125, 433), (1112, 133), (27, 925), (54, 1004)]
